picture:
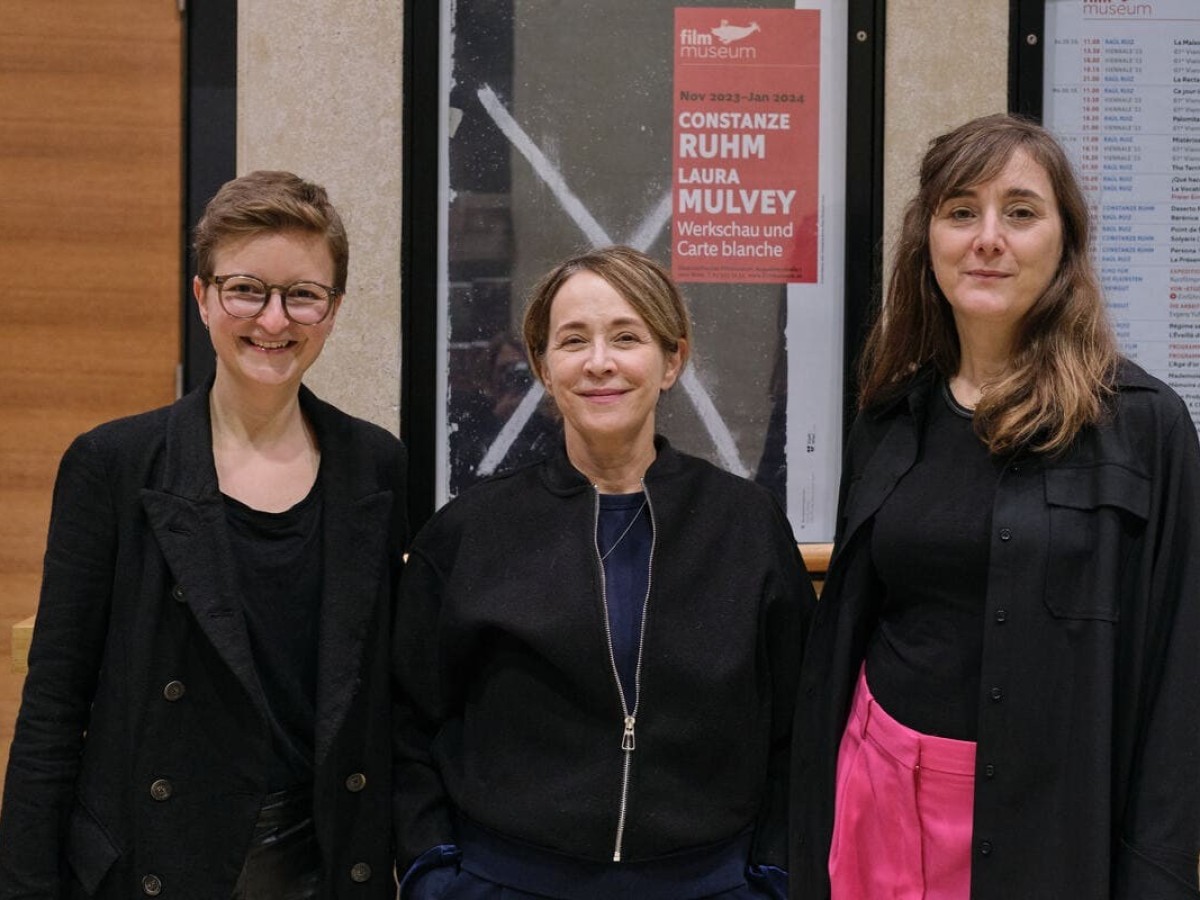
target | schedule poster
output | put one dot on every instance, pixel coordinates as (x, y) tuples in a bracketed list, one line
[(746, 143), (1122, 90)]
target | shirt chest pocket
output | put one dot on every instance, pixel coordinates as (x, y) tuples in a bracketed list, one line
[(1096, 515)]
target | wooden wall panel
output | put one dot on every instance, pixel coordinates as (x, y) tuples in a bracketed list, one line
[(90, 200)]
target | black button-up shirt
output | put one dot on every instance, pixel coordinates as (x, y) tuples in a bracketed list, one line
[(1090, 731)]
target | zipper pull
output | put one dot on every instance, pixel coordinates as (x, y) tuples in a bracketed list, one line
[(627, 737)]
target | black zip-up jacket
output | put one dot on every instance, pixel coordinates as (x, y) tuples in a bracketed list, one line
[(511, 714), (1086, 781)]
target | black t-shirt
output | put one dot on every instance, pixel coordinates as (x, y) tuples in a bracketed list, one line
[(278, 557), (930, 545)]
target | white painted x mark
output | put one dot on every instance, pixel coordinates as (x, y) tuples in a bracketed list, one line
[(641, 239)]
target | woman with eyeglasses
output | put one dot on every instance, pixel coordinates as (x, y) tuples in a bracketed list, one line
[(206, 712)]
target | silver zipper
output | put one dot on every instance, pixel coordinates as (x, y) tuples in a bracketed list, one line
[(629, 716)]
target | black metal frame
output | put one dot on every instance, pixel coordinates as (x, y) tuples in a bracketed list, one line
[(864, 187), (864, 220), (418, 396), (1026, 56), (210, 150)]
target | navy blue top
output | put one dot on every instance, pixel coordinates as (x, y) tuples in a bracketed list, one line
[(624, 537)]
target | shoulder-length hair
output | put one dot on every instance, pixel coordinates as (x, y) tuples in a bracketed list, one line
[(1064, 354), (645, 285)]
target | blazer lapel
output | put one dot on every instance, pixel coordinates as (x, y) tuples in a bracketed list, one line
[(893, 457), (187, 518), (357, 516)]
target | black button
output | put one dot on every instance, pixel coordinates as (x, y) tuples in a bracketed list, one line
[(1005, 534), (356, 782), (989, 771), (178, 593), (996, 694), (1001, 616), (173, 690), (161, 790), (985, 847), (360, 873), (151, 885)]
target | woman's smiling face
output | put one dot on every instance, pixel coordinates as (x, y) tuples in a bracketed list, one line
[(995, 247), (603, 366), (268, 349)]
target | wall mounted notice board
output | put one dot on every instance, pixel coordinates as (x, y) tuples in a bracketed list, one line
[(1118, 81), (718, 138)]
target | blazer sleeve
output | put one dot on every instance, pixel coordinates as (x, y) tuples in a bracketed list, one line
[(1159, 844), (423, 816), (786, 615), (64, 665)]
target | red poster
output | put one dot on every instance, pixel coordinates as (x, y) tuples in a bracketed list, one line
[(747, 85)]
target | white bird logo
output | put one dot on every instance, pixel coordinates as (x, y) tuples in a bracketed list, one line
[(727, 33)]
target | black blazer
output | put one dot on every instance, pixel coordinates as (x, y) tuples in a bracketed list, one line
[(137, 767)]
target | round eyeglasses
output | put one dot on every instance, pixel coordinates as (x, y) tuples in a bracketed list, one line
[(304, 302)]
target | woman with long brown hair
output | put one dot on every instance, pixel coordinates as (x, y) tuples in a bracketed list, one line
[(999, 695)]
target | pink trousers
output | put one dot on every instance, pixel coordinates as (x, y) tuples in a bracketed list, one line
[(902, 819)]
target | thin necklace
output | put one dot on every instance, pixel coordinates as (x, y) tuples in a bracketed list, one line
[(626, 531)]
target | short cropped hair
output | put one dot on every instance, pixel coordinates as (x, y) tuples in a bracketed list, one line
[(642, 282), (265, 202)]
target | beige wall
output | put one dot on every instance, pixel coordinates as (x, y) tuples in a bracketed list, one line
[(319, 93), (332, 113), (946, 62)]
